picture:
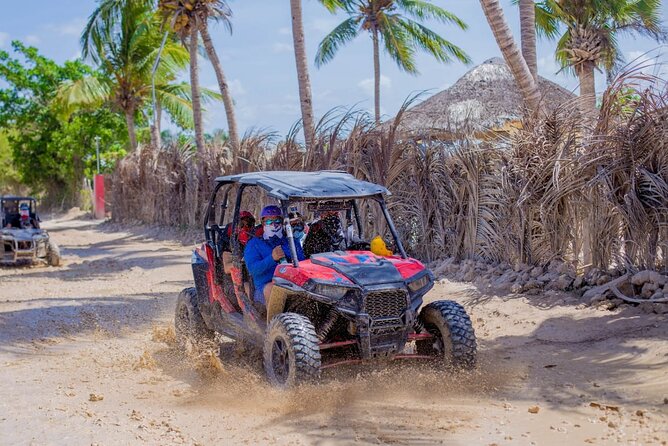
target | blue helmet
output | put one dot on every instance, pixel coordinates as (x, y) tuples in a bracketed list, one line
[(271, 211)]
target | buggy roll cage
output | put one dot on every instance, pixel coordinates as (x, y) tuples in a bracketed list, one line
[(288, 187), (12, 198)]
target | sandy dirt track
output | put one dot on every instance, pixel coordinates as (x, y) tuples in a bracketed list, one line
[(86, 357)]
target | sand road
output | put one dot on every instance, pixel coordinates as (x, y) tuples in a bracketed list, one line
[(86, 358)]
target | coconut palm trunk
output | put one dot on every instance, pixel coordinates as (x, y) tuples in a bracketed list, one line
[(224, 89), (511, 53), (303, 78), (585, 72), (194, 86), (376, 76), (156, 140), (132, 133), (528, 34)]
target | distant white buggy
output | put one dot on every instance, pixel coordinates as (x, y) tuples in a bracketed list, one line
[(21, 238)]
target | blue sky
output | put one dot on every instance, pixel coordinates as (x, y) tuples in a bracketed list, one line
[(259, 61)]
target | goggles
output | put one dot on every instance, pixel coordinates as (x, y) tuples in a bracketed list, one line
[(273, 221)]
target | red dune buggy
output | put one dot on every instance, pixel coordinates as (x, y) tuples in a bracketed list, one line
[(336, 307)]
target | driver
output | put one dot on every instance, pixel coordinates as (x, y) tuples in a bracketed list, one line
[(263, 254), (325, 235), (25, 222)]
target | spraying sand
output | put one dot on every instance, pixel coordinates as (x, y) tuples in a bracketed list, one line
[(87, 357)]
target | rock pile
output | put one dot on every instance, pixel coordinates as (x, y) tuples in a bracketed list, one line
[(607, 289), (502, 276)]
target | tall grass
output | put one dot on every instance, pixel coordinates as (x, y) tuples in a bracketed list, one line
[(556, 188)]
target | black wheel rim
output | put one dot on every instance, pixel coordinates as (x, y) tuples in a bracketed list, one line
[(434, 346), (280, 360)]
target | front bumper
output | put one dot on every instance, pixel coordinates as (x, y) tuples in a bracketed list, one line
[(13, 250), (387, 318)]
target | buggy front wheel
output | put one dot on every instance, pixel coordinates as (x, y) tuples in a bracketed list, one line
[(291, 351), (454, 342), (52, 253)]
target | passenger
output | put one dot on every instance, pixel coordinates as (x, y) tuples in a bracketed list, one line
[(299, 229), (25, 221), (262, 254), (325, 235), (245, 231)]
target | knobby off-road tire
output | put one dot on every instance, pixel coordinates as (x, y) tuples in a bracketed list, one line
[(454, 341), (291, 351), (192, 334), (52, 253)]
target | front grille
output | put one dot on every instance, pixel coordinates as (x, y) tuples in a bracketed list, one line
[(24, 245), (388, 303)]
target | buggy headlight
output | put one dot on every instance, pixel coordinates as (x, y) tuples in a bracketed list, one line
[(333, 291), (418, 284)]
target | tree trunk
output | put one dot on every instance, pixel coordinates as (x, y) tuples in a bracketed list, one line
[(159, 115), (528, 35), (303, 78), (587, 87), (511, 54), (155, 127), (376, 77), (224, 90), (194, 86), (132, 134)]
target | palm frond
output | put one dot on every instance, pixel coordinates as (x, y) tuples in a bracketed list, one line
[(425, 10), (443, 50), (332, 42)]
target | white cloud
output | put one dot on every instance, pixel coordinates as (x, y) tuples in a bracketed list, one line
[(279, 47), (32, 39), (4, 38), (236, 88), (72, 28), (367, 84), (285, 31)]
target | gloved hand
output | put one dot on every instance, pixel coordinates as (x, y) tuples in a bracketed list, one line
[(277, 253)]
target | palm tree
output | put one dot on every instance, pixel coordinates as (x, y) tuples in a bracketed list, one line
[(191, 17), (528, 34), (388, 20), (590, 31), (303, 78), (122, 37), (511, 54)]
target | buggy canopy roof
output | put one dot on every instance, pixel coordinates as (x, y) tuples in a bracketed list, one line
[(13, 197), (324, 184)]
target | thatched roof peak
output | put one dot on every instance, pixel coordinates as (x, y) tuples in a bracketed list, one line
[(485, 98)]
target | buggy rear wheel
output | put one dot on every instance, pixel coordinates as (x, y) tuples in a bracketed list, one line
[(192, 334), (291, 351), (52, 253), (454, 340)]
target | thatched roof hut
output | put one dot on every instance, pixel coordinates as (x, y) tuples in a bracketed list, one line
[(484, 101)]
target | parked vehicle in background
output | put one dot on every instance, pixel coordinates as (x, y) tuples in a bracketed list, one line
[(21, 238)]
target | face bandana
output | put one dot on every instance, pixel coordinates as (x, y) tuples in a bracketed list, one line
[(272, 231)]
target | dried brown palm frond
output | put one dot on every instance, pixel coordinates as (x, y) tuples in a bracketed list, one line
[(551, 189), (631, 169), (254, 151), (289, 154), (542, 183)]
